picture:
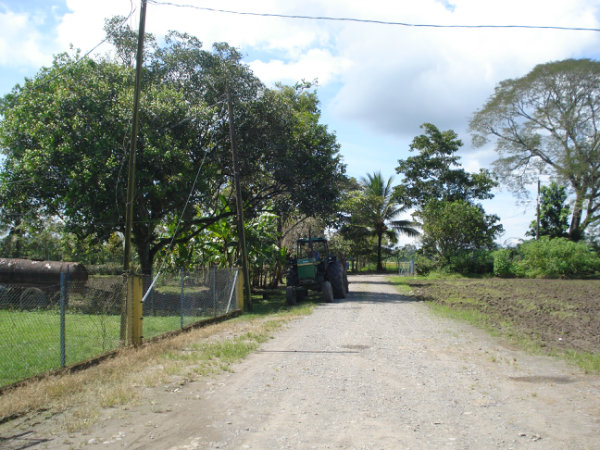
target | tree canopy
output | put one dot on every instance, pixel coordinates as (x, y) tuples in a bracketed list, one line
[(547, 122), (554, 213), (454, 229), (373, 210), (65, 138), (435, 172)]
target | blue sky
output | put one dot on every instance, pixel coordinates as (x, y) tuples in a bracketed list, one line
[(377, 83)]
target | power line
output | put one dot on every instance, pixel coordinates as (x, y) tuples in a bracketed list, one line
[(367, 21)]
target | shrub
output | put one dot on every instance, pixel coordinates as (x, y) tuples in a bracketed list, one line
[(471, 262), (503, 262), (555, 258), (423, 265)]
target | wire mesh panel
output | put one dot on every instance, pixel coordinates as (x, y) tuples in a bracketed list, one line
[(182, 298), (406, 268), (92, 318), (46, 327)]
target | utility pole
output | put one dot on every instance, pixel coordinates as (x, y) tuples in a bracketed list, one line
[(134, 132), (537, 225), (239, 203), (128, 298)]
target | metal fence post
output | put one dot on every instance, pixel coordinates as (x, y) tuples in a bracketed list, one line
[(182, 273), (63, 297), (214, 290)]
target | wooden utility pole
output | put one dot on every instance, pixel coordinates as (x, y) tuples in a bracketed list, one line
[(131, 175), (239, 204), (537, 224), (134, 132)]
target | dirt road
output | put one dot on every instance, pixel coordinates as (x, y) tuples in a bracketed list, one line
[(376, 370)]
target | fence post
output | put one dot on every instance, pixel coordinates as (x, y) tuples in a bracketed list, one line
[(214, 291), (239, 290), (63, 297), (181, 273), (134, 309), (412, 267)]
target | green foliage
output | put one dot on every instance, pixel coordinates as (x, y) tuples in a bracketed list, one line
[(64, 137), (424, 265), (503, 263), (453, 230), (435, 173), (548, 121), (554, 213), (555, 258), (473, 262), (373, 210)]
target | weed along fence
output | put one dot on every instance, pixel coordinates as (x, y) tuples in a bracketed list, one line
[(67, 317)]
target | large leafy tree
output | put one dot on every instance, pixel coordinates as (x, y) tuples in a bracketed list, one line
[(65, 134), (452, 229), (434, 173), (444, 196), (376, 211), (548, 121)]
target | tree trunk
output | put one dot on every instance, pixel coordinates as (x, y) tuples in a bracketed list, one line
[(575, 231), (379, 265)]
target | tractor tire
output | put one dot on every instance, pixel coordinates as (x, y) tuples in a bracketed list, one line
[(292, 276), (335, 275), (290, 295), (327, 292), (301, 294)]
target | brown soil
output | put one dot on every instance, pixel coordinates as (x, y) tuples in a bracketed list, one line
[(557, 314)]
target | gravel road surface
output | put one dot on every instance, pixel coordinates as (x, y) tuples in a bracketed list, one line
[(374, 371)]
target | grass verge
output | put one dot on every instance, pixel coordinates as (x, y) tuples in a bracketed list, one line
[(120, 381)]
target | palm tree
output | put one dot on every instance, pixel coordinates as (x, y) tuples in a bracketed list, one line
[(380, 210)]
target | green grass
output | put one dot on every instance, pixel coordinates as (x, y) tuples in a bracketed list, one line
[(30, 340)]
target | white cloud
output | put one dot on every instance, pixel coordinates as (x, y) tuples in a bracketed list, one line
[(315, 64), (403, 77), (19, 45)]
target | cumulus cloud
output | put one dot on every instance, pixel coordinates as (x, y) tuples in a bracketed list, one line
[(409, 76), (315, 64), (19, 45)]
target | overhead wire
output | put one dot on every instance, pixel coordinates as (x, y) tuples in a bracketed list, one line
[(367, 21)]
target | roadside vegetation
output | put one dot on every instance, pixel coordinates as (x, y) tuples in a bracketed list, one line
[(177, 360)]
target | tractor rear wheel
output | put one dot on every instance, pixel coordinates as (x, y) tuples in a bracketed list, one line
[(327, 292), (290, 295), (335, 275)]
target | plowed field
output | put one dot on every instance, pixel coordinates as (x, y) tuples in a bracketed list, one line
[(556, 314)]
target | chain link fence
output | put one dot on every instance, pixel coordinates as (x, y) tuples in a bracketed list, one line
[(47, 327), (178, 300)]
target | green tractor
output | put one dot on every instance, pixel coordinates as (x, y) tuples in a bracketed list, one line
[(315, 269)]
